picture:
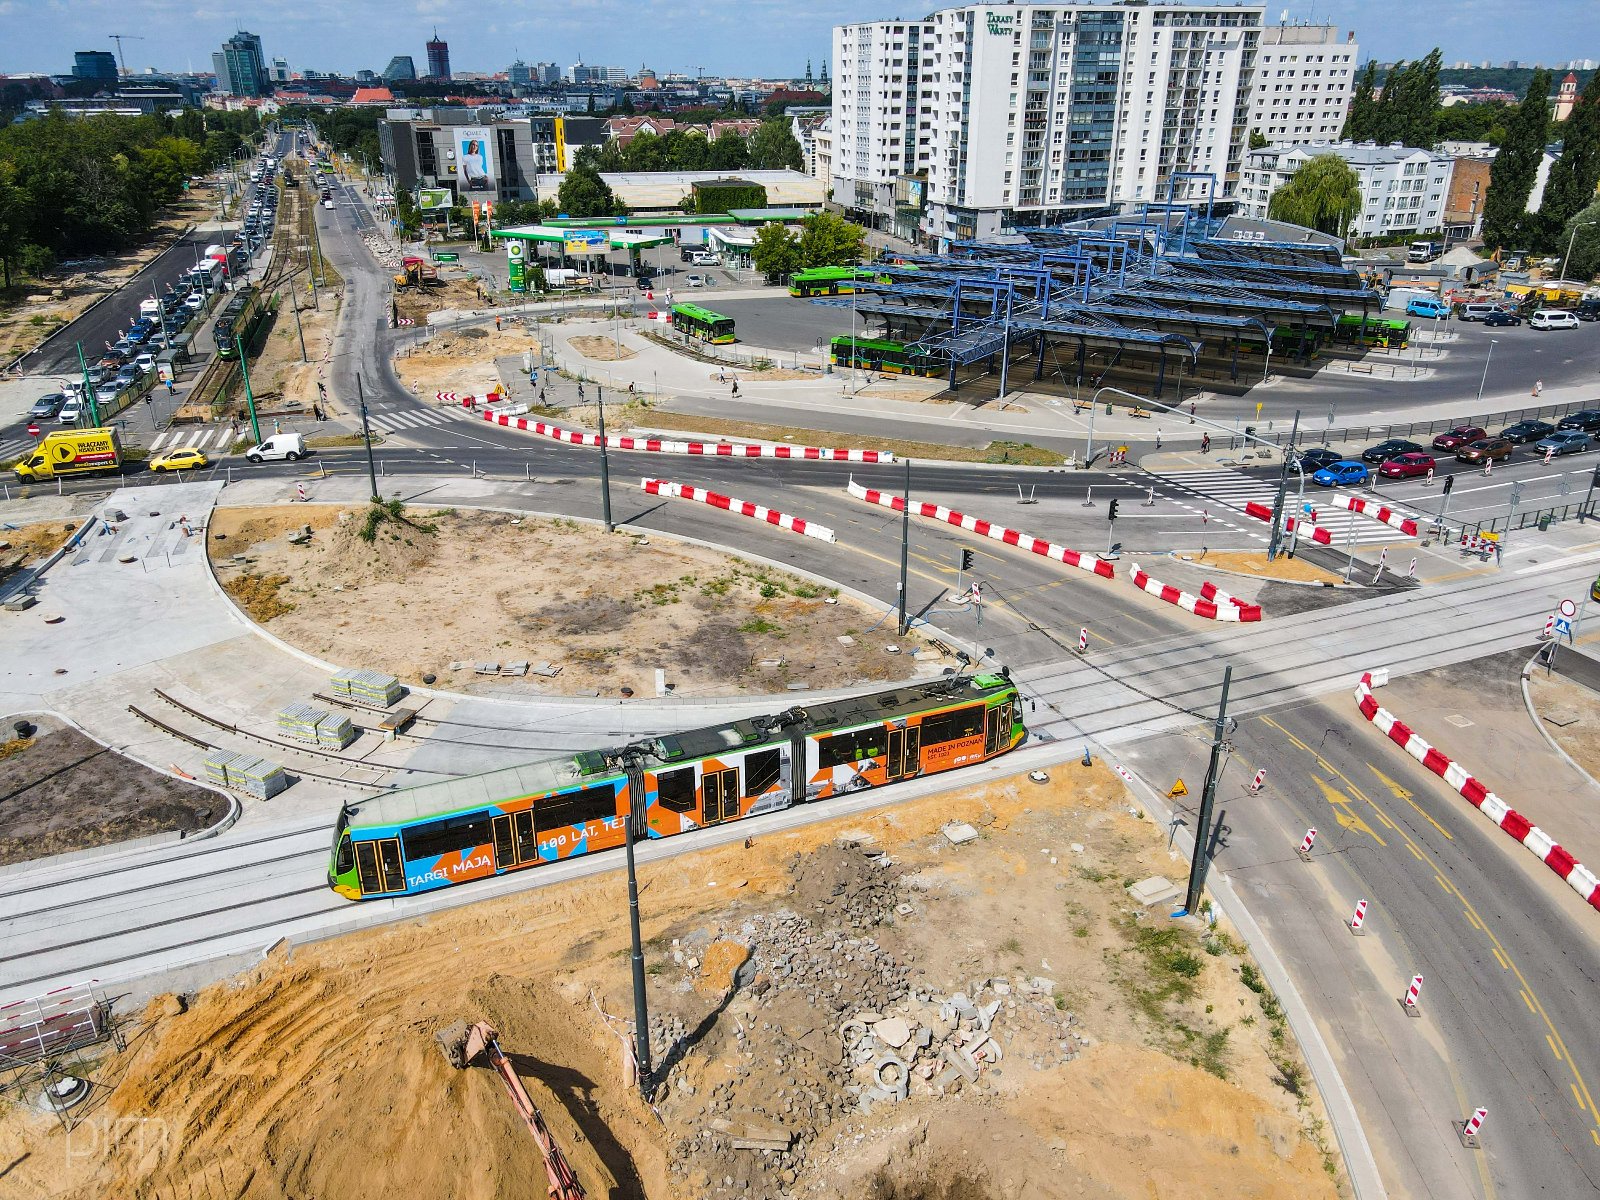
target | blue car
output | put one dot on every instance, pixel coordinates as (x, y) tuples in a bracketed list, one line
[(1341, 474)]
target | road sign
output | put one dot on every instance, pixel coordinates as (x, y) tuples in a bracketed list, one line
[(1179, 789), (446, 256), (1564, 628), (1568, 609), (34, 431)]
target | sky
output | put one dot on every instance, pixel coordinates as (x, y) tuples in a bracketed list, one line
[(734, 37)]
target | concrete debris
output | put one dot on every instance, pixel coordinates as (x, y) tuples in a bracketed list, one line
[(960, 833), (1156, 890)]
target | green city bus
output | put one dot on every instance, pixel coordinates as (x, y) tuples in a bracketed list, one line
[(827, 281), (1379, 331), (696, 322), (877, 354)]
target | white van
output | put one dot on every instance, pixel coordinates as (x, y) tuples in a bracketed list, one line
[(150, 308), (1553, 318), (287, 446), (704, 258)]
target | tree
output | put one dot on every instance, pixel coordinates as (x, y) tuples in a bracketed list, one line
[(729, 152), (828, 240), (1358, 125), (1505, 207), (773, 148), (1583, 234), (776, 252), (1258, 140), (583, 193), (1324, 194), (1576, 173)]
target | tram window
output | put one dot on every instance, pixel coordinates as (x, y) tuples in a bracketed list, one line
[(844, 748), (347, 856), (953, 726), (575, 808), (448, 836), (762, 770), (675, 790)]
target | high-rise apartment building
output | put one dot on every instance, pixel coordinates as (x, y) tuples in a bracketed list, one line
[(241, 66), (1305, 77), (438, 58), (979, 117), (95, 64)]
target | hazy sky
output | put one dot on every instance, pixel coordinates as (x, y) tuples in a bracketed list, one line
[(758, 37)]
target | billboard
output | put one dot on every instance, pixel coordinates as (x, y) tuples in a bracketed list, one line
[(515, 278), (434, 199), (584, 241), (475, 162)]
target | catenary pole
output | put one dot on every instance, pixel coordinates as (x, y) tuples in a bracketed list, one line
[(1208, 799)]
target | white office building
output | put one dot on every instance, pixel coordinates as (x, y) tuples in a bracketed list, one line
[(1305, 77), (1403, 189), (982, 117)]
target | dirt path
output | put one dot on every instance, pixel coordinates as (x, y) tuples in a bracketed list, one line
[(1137, 1058), (603, 611)]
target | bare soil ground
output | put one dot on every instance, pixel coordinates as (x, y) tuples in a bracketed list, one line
[(601, 349), (27, 544), (1255, 563), (61, 791), (455, 289), (444, 587), (1140, 1058), (461, 360)]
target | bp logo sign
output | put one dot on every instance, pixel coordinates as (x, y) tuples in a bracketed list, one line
[(1001, 23)]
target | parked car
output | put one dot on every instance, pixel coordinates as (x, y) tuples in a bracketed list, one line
[(1527, 431), (1427, 306), (1587, 310), (1494, 449), (1501, 317), (1553, 318), (185, 458), (1393, 448), (1586, 419), (1476, 312), (1565, 441), (290, 446), (1344, 473), (1315, 460), (1407, 466), (695, 280), (46, 407), (1459, 436)]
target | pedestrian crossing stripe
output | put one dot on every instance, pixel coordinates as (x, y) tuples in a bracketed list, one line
[(215, 437), (1233, 490), (393, 422)]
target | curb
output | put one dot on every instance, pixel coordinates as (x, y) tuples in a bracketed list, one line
[(1533, 715), (1176, 556), (1575, 874), (23, 584)]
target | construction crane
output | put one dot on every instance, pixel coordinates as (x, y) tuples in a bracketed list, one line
[(119, 38), (461, 1044)]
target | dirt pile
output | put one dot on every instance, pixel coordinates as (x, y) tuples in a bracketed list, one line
[(436, 588)]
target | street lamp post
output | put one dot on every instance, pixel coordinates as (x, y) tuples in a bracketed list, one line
[(1567, 257), (1486, 360)]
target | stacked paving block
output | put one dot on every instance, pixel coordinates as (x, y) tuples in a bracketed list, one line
[(247, 773), (307, 723), (371, 689)]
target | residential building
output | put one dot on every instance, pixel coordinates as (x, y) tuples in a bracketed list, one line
[(241, 66), (438, 57), (95, 64), (1403, 189), (1304, 79), (1469, 183), (400, 69), (1034, 114), (822, 156)]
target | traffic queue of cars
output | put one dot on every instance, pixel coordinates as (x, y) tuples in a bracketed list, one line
[(1399, 458)]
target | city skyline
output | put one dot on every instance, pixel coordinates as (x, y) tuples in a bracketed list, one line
[(486, 36)]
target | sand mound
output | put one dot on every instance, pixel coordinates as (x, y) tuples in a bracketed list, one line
[(401, 542)]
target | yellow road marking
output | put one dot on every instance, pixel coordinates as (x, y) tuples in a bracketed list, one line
[(1415, 853), (1595, 1134), (1578, 1096), (1528, 1000), (1442, 883), (1499, 956), (1472, 918), (1553, 1049), (1400, 793), (1341, 811)]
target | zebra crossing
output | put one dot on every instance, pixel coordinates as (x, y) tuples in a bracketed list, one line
[(416, 418), (1234, 489), (215, 438), (14, 448)]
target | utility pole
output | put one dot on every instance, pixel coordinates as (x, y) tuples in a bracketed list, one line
[(905, 555), (1208, 799), (641, 1007), (366, 436), (605, 463), (249, 397), (295, 301), (1276, 534), (88, 390)]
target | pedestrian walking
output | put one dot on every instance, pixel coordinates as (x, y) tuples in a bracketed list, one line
[(1191, 414), (722, 376), (1158, 439), (172, 389), (580, 391), (1497, 553), (736, 389), (497, 324), (276, 427), (1205, 443), (1538, 387), (541, 397), (631, 390)]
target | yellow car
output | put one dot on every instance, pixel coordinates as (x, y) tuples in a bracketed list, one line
[(185, 458)]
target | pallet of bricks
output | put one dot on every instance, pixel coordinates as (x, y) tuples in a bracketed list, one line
[(247, 773), (307, 723), (370, 689)]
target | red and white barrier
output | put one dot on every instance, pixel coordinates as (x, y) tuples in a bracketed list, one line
[(1579, 878), (707, 449), (1413, 994), (1213, 606), (1263, 512), (1011, 537), (473, 401), (1083, 641), (1474, 1123), (1305, 842), (1378, 512), (1359, 917), (743, 508), (1259, 782), (1223, 601)]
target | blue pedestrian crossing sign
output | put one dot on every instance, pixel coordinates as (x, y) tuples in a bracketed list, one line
[(1564, 628)]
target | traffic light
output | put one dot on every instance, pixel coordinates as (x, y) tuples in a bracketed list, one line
[(1111, 515), (966, 560)]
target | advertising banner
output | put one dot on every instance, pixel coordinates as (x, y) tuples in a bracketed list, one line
[(476, 163), (515, 277), (584, 241), (434, 199)]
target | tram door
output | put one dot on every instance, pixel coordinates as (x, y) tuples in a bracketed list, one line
[(514, 840), (998, 731), (719, 796), (905, 752), (378, 867)]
